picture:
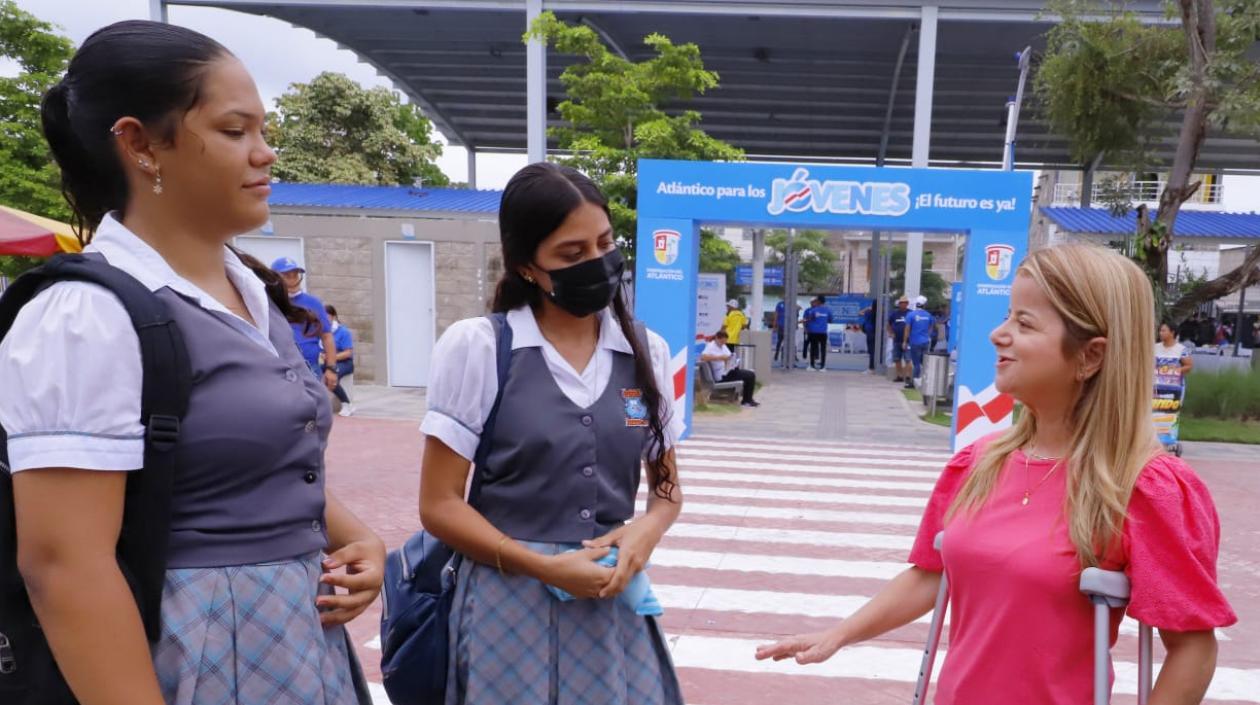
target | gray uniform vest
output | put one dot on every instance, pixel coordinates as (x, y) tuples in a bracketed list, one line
[(556, 472), (250, 481)]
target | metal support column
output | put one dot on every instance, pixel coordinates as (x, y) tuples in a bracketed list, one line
[(472, 166), (535, 88), (1013, 108), (758, 305), (879, 294), (1242, 307), (789, 303), (157, 11), (924, 87)]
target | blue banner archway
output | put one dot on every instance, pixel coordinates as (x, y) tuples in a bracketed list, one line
[(992, 208)]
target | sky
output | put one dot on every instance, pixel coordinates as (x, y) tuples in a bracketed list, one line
[(255, 40)]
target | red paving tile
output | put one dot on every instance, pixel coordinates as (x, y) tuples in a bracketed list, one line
[(374, 465)]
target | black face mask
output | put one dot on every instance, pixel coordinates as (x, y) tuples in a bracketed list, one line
[(587, 287)]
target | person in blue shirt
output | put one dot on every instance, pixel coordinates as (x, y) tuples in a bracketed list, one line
[(817, 318), (344, 340), (782, 332), (919, 325), (310, 342), (897, 331), (868, 327)]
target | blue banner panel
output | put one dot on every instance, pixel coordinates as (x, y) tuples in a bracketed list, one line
[(835, 197), (744, 275), (992, 207), (989, 271), (847, 308), (666, 262)]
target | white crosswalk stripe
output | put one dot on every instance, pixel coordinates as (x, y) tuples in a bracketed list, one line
[(775, 532), (846, 483)]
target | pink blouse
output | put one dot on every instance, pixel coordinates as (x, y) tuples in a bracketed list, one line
[(1020, 630)]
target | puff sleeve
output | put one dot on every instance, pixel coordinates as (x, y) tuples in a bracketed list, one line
[(1171, 538)]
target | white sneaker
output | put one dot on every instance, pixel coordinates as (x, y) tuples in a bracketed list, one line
[(346, 410), (918, 382)]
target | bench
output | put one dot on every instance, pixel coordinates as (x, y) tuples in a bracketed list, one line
[(708, 387)]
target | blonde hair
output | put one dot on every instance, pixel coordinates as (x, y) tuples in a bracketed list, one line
[(1097, 293)]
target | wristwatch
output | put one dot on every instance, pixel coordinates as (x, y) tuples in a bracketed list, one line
[(329, 368)]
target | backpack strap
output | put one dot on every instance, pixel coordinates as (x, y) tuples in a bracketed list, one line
[(503, 365), (166, 387)]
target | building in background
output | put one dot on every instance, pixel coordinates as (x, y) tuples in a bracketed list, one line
[(401, 264)]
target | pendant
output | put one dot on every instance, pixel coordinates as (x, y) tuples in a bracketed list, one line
[(1024, 501)]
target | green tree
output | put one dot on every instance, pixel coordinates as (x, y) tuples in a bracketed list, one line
[(332, 130), (817, 261), (29, 179), (717, 256), (614, 114), (411, 122), (931, 284), (1113, 85)]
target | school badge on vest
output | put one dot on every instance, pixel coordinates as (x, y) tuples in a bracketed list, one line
[(636, 410)]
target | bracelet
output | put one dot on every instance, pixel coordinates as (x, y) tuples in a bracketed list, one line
[(498, 554)]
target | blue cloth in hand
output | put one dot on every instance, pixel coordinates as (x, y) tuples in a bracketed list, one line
[(638, 595)]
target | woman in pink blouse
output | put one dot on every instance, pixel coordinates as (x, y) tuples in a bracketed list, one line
[(1079, 481)]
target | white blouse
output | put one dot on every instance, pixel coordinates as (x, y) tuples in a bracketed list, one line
[(463, 378), (70, 374)]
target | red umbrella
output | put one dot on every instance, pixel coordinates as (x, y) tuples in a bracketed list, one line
[(23, 233)]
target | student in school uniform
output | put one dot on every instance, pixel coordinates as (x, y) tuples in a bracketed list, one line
[(343, 339), (158, 131), (585, 410)]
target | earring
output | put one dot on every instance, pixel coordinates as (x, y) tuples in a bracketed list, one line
[(157, 184), (529, 278), (1080, 375), (115, 131)]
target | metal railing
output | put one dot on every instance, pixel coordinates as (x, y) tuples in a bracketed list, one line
[(1138, 191)]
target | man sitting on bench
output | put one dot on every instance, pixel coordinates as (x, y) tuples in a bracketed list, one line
[(725, 366)]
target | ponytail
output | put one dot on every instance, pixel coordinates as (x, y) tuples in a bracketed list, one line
[(90, 184), (150, 71)]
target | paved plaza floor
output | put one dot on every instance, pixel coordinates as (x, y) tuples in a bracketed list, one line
[(796, 513)]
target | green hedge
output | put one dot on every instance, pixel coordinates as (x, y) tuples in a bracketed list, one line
[(1232, 394)]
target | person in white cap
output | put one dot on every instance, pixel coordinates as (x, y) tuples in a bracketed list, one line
[(735, 321)]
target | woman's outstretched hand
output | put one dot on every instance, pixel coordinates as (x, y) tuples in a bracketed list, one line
[(806, 648)]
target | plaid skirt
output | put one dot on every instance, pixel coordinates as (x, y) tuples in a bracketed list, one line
[(250, 635), (513, 643)]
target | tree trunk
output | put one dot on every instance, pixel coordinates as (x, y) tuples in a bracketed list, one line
[(1198, 19), (1247, 274)]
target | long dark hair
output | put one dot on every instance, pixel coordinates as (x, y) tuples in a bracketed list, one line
[(151, 71), (535, 202)]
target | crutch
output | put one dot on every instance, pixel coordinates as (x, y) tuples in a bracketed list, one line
[(1108, 589), (934, 633)]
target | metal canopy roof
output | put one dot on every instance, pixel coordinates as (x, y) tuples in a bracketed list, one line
[(1189, 223), (809, 79), (403, 198)]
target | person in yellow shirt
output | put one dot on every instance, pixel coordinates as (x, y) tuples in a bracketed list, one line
[(735, 321)]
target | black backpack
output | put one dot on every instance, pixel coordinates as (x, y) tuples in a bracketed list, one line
[(28, 673)]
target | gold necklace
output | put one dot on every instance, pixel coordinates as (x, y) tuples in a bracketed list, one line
[(1028, 492)]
